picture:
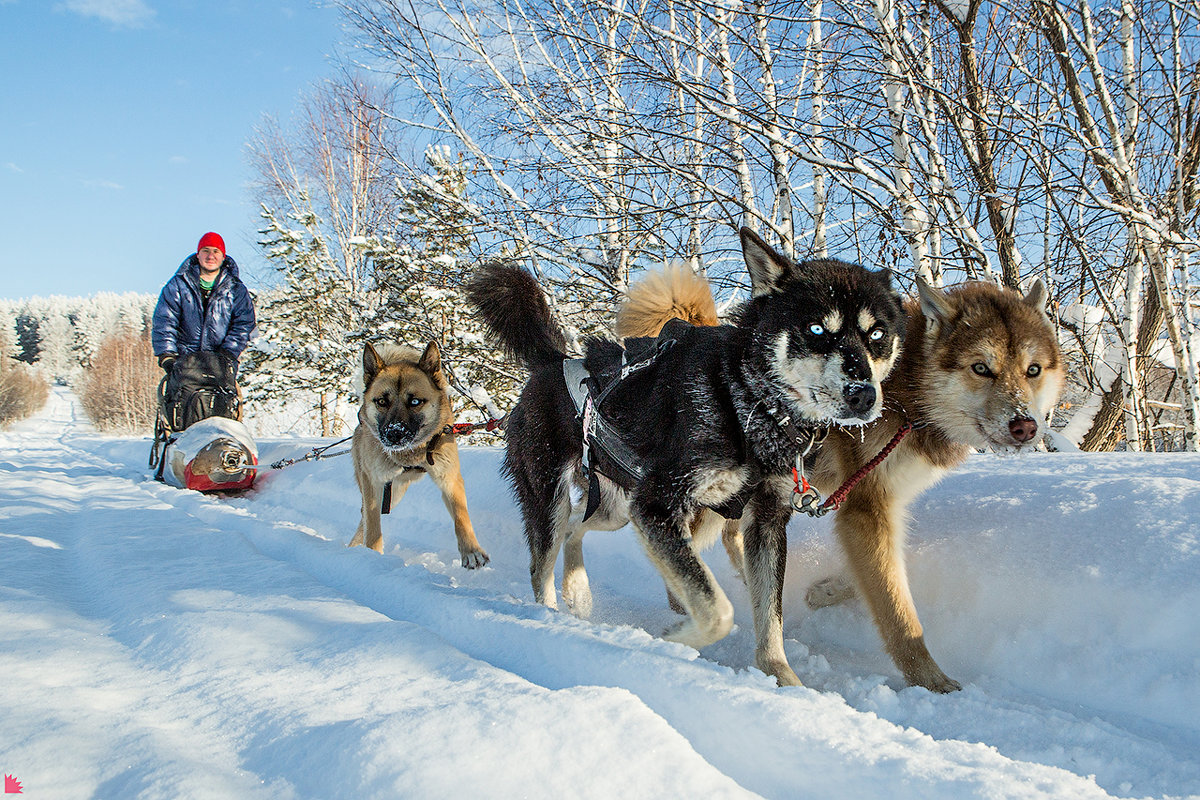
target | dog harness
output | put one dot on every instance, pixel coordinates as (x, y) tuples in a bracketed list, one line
[(385, 506), (625, 469), (588, 395), (452, 429)]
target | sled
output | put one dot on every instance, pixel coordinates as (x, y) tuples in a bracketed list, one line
[(215, 454), (199, 442)]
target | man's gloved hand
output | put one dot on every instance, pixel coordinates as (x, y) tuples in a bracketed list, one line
[(166, 361), (230, 361)]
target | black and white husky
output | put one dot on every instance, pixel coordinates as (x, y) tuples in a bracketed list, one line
[(716, 424)]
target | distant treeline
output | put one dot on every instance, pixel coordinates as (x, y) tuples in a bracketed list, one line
[(61, 335)]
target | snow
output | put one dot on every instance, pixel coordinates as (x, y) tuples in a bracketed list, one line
[(159, 643), (959, 9)]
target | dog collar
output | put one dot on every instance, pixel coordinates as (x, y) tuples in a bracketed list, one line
[(804, 436)]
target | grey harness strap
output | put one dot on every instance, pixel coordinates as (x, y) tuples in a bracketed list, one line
[(576, 377)]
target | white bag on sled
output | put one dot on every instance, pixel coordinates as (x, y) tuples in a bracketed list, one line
[(215, 454)]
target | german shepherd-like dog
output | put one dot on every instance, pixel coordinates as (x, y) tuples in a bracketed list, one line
[(716, 422), (402, 436), (980, 367)]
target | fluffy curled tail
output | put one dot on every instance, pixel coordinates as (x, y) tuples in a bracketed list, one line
[(675, 292), (510, 303)]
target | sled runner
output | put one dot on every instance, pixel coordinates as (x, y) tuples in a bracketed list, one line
[(199, 442)]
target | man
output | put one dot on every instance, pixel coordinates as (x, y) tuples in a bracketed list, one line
[(205, 307)]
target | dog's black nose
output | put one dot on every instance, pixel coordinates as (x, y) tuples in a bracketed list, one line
[(860, 397), (1023, 428), (395, 434)]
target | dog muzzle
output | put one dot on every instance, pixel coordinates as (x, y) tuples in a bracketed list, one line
[(397, 436)]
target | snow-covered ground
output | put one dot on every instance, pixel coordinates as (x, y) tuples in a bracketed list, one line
[(156, 643)]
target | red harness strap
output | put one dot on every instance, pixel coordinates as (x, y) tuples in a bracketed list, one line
[(805, 497)]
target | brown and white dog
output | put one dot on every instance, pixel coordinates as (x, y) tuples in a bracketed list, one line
[(401, 437), (980, 367)]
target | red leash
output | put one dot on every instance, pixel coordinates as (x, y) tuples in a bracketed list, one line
[(464, 428), (805, 498)]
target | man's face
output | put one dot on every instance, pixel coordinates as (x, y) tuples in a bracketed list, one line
[(210, 259)]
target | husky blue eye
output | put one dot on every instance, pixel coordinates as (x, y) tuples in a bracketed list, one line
[(875, 335), (980, 368), (1034, 370), (816, 330), (413, 402)]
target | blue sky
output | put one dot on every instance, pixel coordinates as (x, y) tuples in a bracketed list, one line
[(123, 126)]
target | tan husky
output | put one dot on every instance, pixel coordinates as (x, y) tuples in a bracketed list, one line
[(979, 368), (402, 436)]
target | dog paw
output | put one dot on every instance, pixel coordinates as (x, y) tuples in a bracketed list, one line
[(782, 672), (474, 559), (934, 680), (829, 592), (579, 605), (577, 595)]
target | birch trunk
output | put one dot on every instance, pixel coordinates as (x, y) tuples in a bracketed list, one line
[(915, 220), (820, 196)]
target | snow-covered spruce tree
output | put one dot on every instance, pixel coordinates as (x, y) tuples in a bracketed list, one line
[(27, 346), (419, 270), (46, 327), (61, 334), (326, 184), (92, 325), (303, 350)]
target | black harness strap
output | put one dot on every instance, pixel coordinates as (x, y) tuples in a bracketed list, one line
[(386, 506), (587, 394)]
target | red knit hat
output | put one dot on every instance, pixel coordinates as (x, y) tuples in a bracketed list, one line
[(211, 239)]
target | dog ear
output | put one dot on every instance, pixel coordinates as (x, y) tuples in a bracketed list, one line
[(431, 364), (1037, 296), (372, 364), (934, 304), (768, 269)]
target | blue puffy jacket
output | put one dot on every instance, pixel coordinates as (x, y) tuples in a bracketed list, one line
[(183, 325)]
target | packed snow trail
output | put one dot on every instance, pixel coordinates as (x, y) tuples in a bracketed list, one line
[(160, 643)]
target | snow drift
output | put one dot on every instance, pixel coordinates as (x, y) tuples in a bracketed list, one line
[(160, 643)]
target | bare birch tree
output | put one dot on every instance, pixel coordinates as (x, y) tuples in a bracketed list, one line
[(949, 138), (1129, 89)]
